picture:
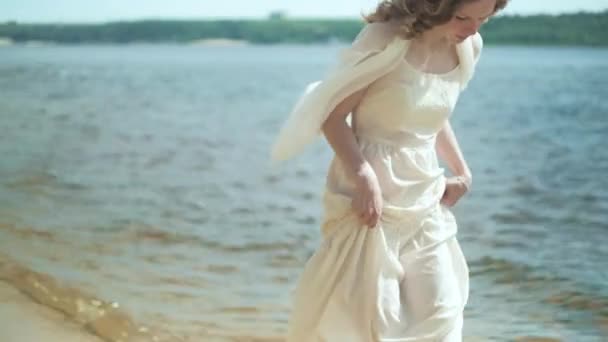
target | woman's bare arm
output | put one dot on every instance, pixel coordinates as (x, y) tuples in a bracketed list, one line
[(341, 137), (367, 198), (449, 151)]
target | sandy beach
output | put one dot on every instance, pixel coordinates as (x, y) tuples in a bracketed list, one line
[(24, 321), (59, 312)]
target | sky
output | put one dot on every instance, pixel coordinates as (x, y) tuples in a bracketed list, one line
[(89, 11)]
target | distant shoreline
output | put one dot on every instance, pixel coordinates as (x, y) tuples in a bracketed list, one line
[(5, 42), (219, 42), (228, 44), (576, 29)]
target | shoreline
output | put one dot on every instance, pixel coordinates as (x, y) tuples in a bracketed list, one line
[(46, 324), (59, 310), (43, 323), (49, 323)]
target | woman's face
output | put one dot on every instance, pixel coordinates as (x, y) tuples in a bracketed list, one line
[(468, 18)]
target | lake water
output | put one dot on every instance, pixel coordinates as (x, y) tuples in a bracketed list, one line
[(140, 175)]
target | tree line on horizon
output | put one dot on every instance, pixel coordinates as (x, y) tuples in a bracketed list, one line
[(582, 28)]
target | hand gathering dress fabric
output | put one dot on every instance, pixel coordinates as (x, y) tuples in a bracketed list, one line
[(406, 279)]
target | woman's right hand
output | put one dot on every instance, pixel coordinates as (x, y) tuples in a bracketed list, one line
[(367, 201)]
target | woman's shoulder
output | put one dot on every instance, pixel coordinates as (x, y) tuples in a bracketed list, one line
[(477, 42)]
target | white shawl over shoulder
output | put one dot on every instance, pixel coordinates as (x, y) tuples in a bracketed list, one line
[(375, 51)]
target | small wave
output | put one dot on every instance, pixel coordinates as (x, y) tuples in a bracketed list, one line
[(520, 216), (29, 232), (141, 232), (548, 286), (580, 301), (102, 318), (240, 310), (41, 182), (222, 269), (505, 271)]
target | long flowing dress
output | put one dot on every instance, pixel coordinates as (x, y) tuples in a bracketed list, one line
[(406, 279)]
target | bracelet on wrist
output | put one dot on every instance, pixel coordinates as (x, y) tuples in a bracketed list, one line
[(466, 180)]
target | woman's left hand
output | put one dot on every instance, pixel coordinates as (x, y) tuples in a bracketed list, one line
[(455, 188)]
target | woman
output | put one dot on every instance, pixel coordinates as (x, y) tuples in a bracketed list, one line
[(389, 267)]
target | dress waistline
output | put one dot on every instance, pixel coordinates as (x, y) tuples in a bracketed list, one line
[(399, 141)]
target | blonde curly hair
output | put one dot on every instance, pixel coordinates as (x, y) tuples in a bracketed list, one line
[(417, 16)]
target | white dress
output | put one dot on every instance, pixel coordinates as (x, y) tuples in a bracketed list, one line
[(407, 279)]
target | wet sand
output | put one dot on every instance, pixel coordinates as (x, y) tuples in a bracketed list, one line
[(45, 303), (25, 321)]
